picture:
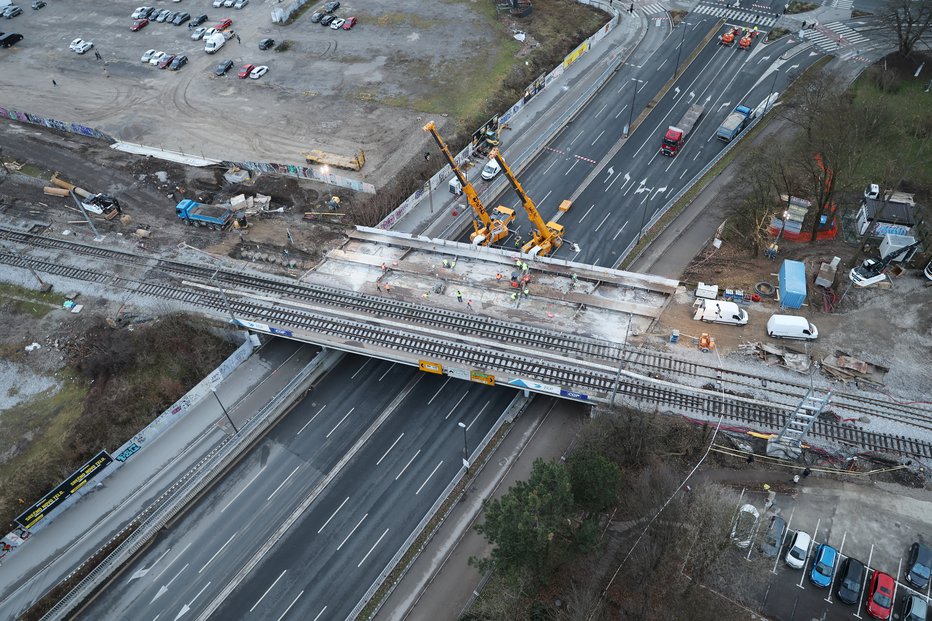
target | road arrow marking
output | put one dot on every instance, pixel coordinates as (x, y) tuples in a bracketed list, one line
[(187, 607), (142, 572), (725, 105), (165, 588)]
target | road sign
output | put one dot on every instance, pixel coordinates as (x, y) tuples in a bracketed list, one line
[(482, 378), (430, 367)]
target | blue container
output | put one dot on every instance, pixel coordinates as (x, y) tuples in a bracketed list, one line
[(792, 284)]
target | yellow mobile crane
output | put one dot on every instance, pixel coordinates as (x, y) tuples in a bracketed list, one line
[(548, 236), (493, 229)]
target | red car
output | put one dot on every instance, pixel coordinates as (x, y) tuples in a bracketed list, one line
[(349, 23), (880, 596), (225, 23), (245, 71), (139, 24), (166, 60)]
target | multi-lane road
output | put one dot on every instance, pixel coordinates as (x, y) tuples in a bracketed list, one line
[(352, 470)]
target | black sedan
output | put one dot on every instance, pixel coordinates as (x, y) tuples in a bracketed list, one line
[(330, 7), (265, 44), (223, 67), (316, 17), (178, 63), (181, 18), (197, 21)]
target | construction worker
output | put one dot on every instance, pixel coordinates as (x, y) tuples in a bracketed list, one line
[(453, 264), (518, 263), (575, 281), (378, 286), (524, 266), (498, 276), (446, 263), (469, 304), (388, 288), (459, 296), (514, 296), (527, 292)]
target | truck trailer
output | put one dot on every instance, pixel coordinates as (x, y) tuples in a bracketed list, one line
[(676, 134), (198, 214), (735, 123)]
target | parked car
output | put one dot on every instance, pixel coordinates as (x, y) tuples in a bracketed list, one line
[(240, 4), (229, 3), (225, 23), (12, 11), (349, 23), (791, 327), (823, 567), (851, 581), (141, 12), (330, 7), (265, 44), (179, 62), (9, 39), (745, 522), (171, 16), (162, 16), (773, 540), (914, 609), (198, 33), (799, 550), (337, 23), (139, 24), (918, 565), (316, 17), (148, 56), (223, 67), (38, 4), (157, 58), (217, 4), (81, 46), (181, 18), (245, 71), (880, 596), (166, 60), (197, 21), (258, 72), (326, 19)]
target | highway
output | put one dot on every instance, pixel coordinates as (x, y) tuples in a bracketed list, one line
[(623, 182), (380, 442)]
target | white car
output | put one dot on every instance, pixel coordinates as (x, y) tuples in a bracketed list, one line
[(240, 4), (229, 3), (141, 12), (157, 58), (218, 4), (80, 46), (745, 525), (337, 23), (209, 32), (148, 55), (258, 72), (198, 33), (799, 550)]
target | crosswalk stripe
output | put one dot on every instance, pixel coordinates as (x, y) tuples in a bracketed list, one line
[(653, 9), (736, 15)]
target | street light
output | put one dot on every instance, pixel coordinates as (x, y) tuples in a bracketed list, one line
[(465, 448), (214, 390), (631, 114), (680, 49)]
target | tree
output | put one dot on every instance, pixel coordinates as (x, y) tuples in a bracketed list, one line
[(594, 480), (909, 20), (529, 524)]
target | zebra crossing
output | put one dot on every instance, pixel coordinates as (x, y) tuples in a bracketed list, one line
[(834, 36), (843, 4), (652, 9), (738, 15)]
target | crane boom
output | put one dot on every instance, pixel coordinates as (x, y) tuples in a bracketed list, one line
[(468, 190), (529, 205)]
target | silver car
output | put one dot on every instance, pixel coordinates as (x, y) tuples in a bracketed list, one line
[(240, 4), (198, 33)]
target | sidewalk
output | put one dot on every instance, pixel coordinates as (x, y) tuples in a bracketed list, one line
[(47, 557), (522, 140)]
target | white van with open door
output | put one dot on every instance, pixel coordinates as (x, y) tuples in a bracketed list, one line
[(491, 170), (791, 327), (714, 311)]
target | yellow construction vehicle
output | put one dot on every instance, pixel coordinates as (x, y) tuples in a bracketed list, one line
[(546, 237), (493, 229)]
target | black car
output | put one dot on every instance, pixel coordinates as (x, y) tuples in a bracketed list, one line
[(851, 581), (265, 44), (181, 18), (918, 565), (223, 67), (316, 17), (178, 63), (197, 21), (773, 541), (326, 19), (152, 13), (330, 7), (10, 38), (38, 4)]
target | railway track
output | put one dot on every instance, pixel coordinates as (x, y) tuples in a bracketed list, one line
[(581, 376)]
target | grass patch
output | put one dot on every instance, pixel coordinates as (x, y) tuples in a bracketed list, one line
[(777, 33), (857, 13), (801, 7), (22, 301)]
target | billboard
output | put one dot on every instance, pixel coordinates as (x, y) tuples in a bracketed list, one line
[(65, 489)]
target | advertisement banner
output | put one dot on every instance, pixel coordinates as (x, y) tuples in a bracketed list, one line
[(65, 489), (575, 54)]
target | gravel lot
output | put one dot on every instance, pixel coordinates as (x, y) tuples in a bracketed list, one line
[(334, 90)]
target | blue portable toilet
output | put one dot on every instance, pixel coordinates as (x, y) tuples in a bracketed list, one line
[(792, 284)]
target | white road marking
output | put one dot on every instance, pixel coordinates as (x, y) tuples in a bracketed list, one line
[(546, 170), (352, 531), (184, 609), (390, 448), (386, 371), (142, 572), (456, 406), (620, 111), (319, 613), (577, 137), (478, 415), (586, 214), (311, 420), (217, 552), (341, 422), (282, 483), (267, 590), (662, 64), (433, 472), (603, 221), (295, 602), (232, 500), (408, 464), (353, 376), (620, 230), (333, 515), (599, 136), (372, 548), (439, 390), (171, 561), (602, 108), (575, 161)]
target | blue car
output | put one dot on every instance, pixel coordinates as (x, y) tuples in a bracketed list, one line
[(823, 567)]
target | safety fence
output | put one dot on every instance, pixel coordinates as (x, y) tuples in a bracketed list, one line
[(37, 119)]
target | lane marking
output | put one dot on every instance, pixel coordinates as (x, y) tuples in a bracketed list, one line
[(170, 562), (361, 368), (433, 472), (218, 552), (282, 483), (390, 448), (620, 230), (439, 390), (267, 591), (576, 161), (586, 214), (546, 170), (457, 405), (332, 515), (620, 111), (341, 422), (319, 613), (387, 371), (352, 531), (295, 602), (232, 500), (599, 136), (577, 137), (311, 420), (602, 108), (372, 548), (407, 464), (478, 415), (603, 221)]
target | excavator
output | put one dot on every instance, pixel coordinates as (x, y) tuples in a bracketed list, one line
[(492, 230), (548, 236)]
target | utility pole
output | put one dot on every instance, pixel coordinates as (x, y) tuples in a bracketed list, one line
[(679, 50), (634, 91), (227, 414), (465, 447)]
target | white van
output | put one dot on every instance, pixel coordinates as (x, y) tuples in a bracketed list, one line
[(491, 170), (791, 327), (214, 42), (714, 311)]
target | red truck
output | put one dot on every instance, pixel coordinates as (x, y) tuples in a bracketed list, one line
[(676, 134)]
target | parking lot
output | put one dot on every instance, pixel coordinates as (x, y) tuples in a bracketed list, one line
[(874, 523), (336, 90)]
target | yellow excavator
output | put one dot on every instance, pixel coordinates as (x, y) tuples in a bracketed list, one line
[(546, 237), (493, 229)]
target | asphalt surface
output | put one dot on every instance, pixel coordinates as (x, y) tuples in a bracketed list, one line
[(339, 545)]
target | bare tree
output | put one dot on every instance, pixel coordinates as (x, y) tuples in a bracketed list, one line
[(909, 20)]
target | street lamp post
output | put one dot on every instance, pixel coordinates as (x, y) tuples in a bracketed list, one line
[(773, 85), (465, 448), (680, 49), (214, 390), (634, 91)]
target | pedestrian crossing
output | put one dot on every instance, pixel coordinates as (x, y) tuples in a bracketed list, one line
[(763, 20), (843, 4), (652, 9), (834, 36)]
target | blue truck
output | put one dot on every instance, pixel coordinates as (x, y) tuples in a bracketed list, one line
[(216, 217), (734, 123)]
